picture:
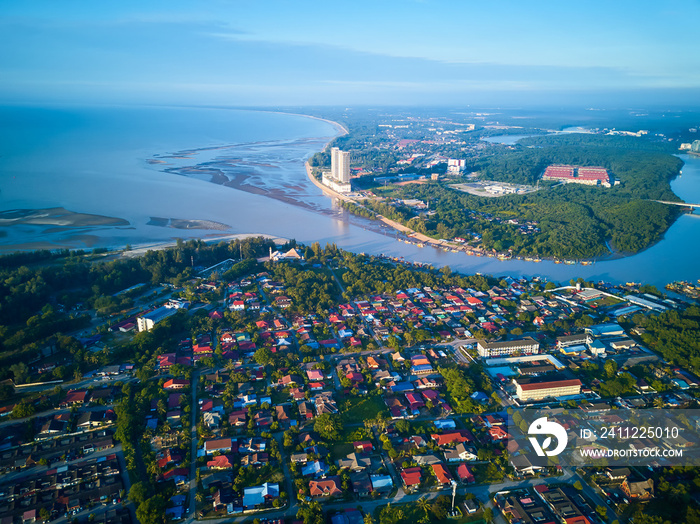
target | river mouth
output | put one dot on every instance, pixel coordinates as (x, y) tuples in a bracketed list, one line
[(100, 170)]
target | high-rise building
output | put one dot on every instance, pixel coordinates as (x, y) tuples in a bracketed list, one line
[(340, 165), (334, 162), (344, 166)]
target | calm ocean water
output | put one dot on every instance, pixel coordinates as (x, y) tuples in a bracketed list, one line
[(96, 160)]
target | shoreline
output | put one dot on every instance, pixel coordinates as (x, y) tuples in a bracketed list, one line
[(140, 249), (337, 125)]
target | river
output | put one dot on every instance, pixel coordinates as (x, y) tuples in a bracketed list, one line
[(128, 163)]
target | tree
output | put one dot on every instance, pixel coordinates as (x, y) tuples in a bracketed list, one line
[(488, 515), (139, 493), (311, 513), (578, 485), (328, 426), (424, 504), (610, 368), (20, 372), (23, 409), (152, 511), (263, 356), (602, 511), (402, 426)]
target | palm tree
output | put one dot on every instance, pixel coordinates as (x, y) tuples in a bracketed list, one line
[(424, 504)]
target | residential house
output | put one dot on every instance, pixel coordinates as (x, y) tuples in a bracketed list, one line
[(464, 474), (354, 462), (176, 383), (638, 490), (328, 487), (411, 477), (442, 474), (222, 445), (381, 483), (452, 437), (221, 462), (260, 495), (361, 484), (363, 446)]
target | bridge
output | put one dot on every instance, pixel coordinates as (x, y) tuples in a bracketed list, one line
[(681, 204)]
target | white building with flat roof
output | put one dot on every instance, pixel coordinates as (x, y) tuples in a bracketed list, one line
[(527, 345), (150, 319)]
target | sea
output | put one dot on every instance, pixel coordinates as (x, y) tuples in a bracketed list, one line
[(214, 172)]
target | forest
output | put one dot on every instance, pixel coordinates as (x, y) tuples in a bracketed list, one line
[(674, 334), (574, 221), (44, 295)]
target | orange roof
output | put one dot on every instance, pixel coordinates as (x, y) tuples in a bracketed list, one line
[(442, 473)]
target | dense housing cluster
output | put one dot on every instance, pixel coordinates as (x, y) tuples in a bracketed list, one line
[(316, 375)]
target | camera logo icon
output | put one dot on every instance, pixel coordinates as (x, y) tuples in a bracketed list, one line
[(542, 426)]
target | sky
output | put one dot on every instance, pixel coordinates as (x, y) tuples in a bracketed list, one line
[(378, 52)]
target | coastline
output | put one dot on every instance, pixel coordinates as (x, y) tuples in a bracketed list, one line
[(337, 125), (391, 223), (140, 249)]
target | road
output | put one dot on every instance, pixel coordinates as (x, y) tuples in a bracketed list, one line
[(481, 491), (193, 450), (597, 499)]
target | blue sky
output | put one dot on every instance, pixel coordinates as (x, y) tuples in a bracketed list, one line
[(277, 52)]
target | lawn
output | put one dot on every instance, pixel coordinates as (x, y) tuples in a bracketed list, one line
[(342, 450), (605, 301), (358, 409)]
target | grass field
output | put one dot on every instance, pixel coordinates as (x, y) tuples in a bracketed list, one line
[(358, 409)]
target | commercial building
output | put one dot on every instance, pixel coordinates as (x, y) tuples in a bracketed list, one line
[(455, 165), (531, 389), (591, 176), (645, 303), (573, 340), (526, 345), (150, 319)]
